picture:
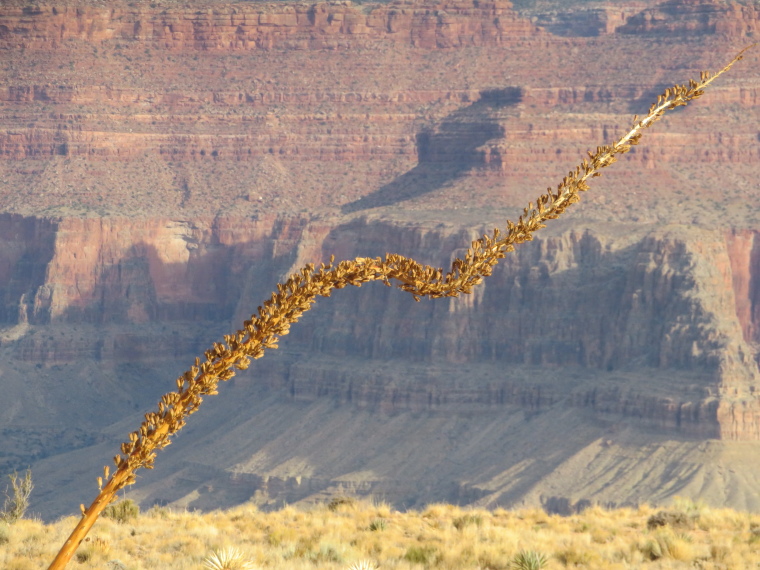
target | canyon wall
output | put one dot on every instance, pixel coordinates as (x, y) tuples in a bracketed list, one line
[(136, 108), (644, 333), (163, 167), (662, 300)]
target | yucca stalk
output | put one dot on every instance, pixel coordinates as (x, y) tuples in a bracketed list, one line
[(296, 295)]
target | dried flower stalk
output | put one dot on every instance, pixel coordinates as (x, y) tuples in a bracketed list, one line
[(297, 294)]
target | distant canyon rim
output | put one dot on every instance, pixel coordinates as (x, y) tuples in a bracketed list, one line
[(164, 164)]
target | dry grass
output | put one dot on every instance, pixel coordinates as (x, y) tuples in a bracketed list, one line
[(441, 536)]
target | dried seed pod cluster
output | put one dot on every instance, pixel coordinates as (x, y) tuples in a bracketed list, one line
[(296, 295)]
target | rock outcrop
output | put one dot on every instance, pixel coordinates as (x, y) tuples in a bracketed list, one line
[(683, 302), (694, 17), (241, 26)]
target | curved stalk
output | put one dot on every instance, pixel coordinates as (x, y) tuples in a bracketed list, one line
[(296, 295)]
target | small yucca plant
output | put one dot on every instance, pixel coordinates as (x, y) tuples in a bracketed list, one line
[(378, 525), (227, 559), (529, 560), (363, 565)]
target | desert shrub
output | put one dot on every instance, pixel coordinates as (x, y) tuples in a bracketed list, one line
[(681, 549), (665, 544), (754, 533), (651, 549), (326, 553), (689, 506), (673, 519), (719, 552), (467, 520), (84, 555), (92, 550), (574, 555), (123, 511), (420, 554), (17, 501), (158, 512), (342, 502)]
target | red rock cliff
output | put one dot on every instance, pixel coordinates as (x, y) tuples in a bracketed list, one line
[(694, 17), (672, 300), (243, 26)]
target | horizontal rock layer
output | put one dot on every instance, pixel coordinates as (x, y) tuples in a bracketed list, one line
[(677, 299), (323, 25), (159, 108), (297, 26)]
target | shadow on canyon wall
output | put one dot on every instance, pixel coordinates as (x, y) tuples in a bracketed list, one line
[(29, 246), (446, 150)]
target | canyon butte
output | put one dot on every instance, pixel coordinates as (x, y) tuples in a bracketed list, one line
[(163, 165)]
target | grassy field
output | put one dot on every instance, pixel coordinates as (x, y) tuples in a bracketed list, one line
[(348, 534)]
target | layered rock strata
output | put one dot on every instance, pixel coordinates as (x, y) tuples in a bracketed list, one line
[(322, 25), (694, 18), (178, 116), (668, 300)]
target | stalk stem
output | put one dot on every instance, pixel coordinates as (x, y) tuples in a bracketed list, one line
[(88, 519)]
